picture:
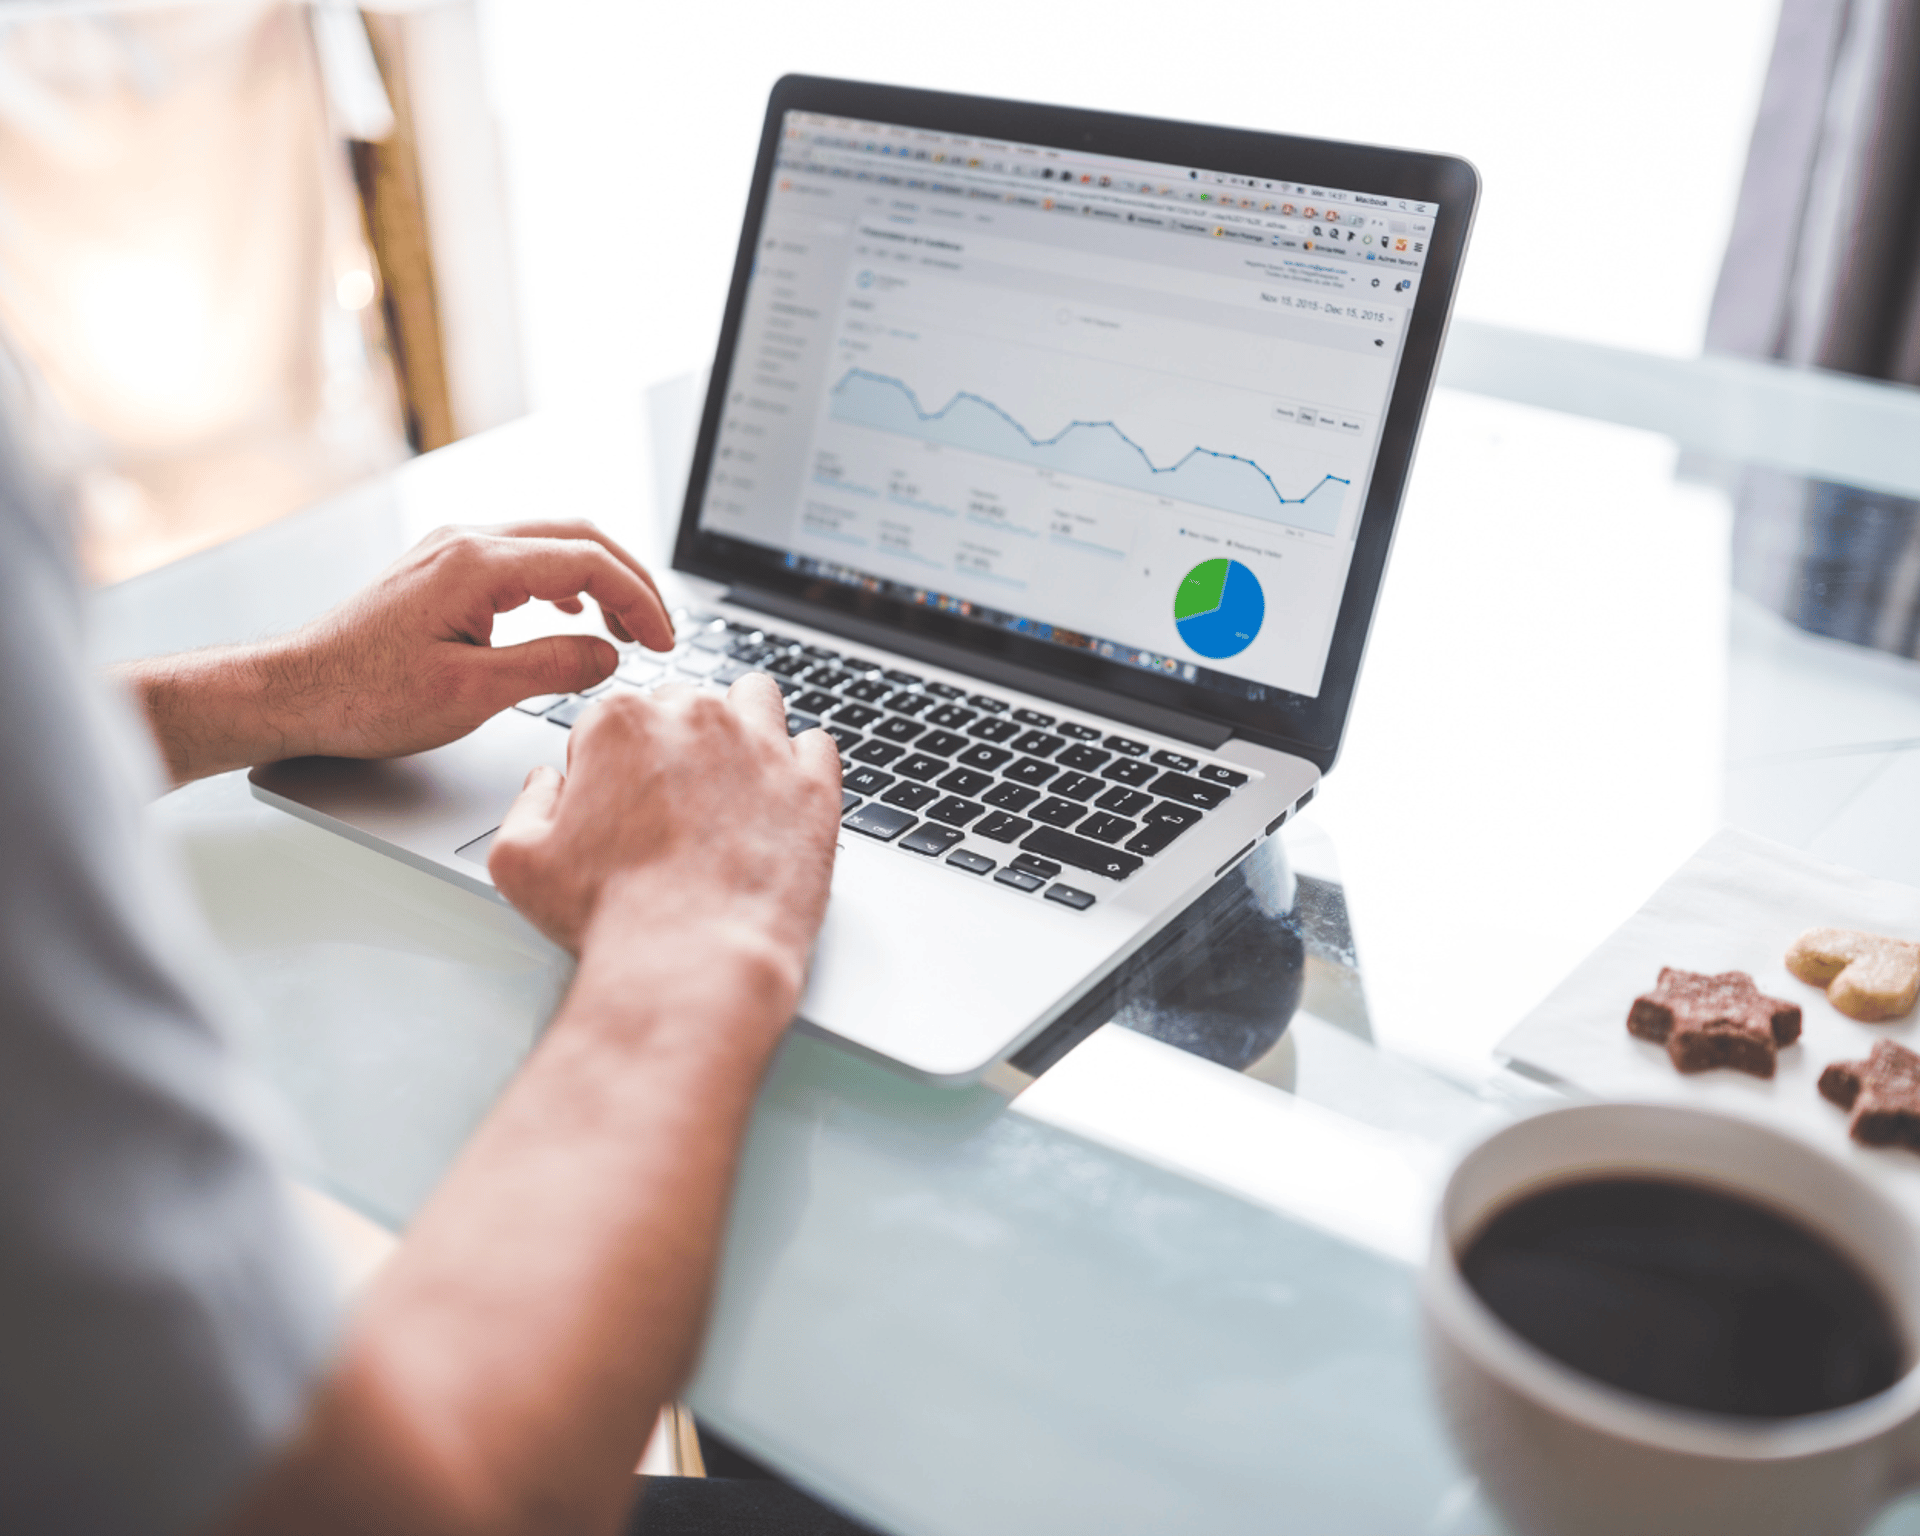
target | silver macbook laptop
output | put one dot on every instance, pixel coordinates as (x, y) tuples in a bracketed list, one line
[(1050, 462)]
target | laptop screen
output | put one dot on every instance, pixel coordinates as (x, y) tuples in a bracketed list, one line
[(1112, 405)]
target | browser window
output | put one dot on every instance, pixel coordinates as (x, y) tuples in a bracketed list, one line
[(1115, 405)]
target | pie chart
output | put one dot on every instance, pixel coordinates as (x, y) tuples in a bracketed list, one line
[(1218, 608)]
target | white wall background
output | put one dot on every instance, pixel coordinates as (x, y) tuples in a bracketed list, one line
[(1611, 138)]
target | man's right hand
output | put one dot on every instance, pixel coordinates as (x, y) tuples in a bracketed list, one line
[(504, 1372), (680, 809)]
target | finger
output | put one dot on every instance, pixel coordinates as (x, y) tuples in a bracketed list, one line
[(817, 756), (552, 569), (531, 815), (574, 605), (756, 699), (582, 529), (551, 664)]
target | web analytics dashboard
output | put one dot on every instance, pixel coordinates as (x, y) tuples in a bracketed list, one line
[(1112, 404)]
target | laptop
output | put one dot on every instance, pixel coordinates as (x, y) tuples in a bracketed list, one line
[(1050, 461)]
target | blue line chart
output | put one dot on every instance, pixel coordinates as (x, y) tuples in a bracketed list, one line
[(1094, 450)]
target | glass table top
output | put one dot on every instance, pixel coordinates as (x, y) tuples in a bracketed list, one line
[(1159, 1273)]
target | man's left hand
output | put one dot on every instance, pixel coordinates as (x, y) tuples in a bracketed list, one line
[(408, 663)]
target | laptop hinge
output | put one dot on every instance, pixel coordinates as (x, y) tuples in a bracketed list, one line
[(1209, 734)]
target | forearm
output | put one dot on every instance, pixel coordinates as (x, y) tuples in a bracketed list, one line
[(506, 1370), (224, 707)]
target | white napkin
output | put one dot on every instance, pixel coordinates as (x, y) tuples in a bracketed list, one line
[(1734, 906)]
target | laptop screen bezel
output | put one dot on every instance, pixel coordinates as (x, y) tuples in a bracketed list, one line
[(1309, 726)]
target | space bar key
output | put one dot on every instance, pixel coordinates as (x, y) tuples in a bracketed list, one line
[(1081, 853)]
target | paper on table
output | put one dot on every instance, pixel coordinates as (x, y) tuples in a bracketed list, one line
[(1734, 906)]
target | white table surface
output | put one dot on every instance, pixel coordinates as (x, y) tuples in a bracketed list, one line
[(1147, 1294)]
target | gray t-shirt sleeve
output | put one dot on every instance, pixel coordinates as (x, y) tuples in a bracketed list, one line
[(163, 1314)]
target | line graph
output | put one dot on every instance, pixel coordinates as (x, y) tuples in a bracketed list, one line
[(1094, 450)]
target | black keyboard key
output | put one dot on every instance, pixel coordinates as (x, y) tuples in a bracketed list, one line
[(1039, 744), (796, 723), (814, 702), (1077, 732), (859, 666), (1175, 761), (911, 796), (955, 812), (901, 679), (942, 743), (1032, 717), (944, 690), (1030, 770), (856, 716), (931, 840), (952, 716), (1124, 802), (993, 730), (1077, 786), (773, 637), (1103, 827), (843, 738), (791, 664), (819, 653), (921, 766), (879, 753), (1126, 746), (1213, 773), (1019, 879), (898, 728), (1084, 758), (1164, 823), (973, 863), (1002, 828), (867, 781), (1011, 797), (985, 758), (1127, 770), (848, 800), (964, 781), (1046, 869), (788, 686), (908, 703), (1190, 791), (879, 821), (1081, 853), (869, 690), (1069, 896), (1058, 813), (1181, 816), (987, 704)]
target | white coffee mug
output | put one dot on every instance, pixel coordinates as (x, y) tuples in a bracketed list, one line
[(1561, 1454)]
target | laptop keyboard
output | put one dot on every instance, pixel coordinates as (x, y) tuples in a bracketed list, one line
[(1020, 797)]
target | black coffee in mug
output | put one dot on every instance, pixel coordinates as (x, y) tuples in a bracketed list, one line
[(1687, 1295)]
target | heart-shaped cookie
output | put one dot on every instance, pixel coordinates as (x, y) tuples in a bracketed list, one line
[(1867, 977)]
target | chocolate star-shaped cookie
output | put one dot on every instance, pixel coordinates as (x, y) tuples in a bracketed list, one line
[(1883, 1092), (1715, 1021)]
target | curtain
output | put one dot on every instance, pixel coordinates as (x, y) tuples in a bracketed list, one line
[(1821, 271)]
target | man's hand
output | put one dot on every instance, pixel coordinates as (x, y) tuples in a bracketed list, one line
[(505, 1370), (408, 663), (680, 809)]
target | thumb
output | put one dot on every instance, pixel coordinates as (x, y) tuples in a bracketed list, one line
[(552, 664), (527, 822)]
